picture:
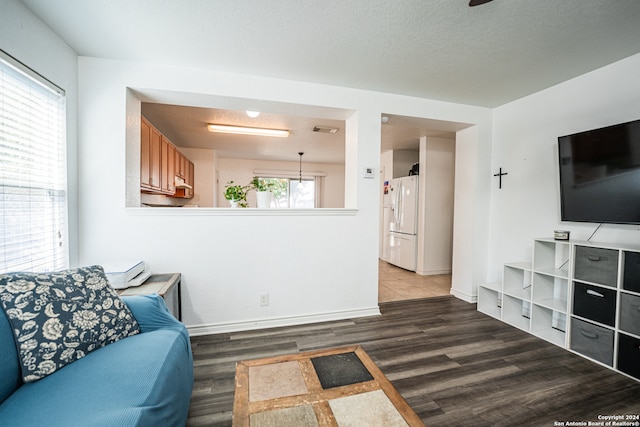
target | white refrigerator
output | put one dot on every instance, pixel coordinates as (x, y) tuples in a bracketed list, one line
[(400, 218)]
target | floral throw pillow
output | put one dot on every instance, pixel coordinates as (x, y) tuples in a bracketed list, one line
[(60, 317)]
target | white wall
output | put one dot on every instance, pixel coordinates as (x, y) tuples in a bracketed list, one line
[(403, 160), (228, 259), (437, 172), (386, 174), (525, 146), (398, 163), (471, 200), (27, 39), (241, 171), (386, 166)]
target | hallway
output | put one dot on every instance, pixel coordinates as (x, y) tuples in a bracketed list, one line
[(397, 284)]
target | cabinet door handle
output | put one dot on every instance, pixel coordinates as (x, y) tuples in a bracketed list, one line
[(589, 335), (594, 258), (594, 293)]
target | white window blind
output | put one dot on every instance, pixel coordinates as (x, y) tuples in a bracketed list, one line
[(33, 196)]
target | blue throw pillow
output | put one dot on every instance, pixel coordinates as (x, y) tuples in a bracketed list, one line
[(60, 317)]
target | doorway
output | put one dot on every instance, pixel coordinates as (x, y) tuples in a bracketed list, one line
[(409, 145)]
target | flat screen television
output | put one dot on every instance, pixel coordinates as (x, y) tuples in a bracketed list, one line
[(600, 175)]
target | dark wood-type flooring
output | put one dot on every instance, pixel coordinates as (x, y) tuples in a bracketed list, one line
[(453, 365)]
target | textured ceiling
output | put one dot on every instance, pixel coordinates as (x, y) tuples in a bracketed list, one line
[(438, 49)]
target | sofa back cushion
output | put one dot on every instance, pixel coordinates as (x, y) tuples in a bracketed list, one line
[(10, 378), (60, 317)]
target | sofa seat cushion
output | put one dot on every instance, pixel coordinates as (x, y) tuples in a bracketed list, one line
[(60, 317), (142, 380)]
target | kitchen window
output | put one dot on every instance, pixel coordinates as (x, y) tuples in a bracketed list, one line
[(293, 193), (33, 195)]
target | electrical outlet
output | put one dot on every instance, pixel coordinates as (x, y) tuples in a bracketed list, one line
[(264, 299)]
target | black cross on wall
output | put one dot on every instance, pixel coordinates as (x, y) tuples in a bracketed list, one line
[(500, 175)]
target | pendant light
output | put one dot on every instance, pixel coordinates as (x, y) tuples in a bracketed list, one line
[(300, 153)]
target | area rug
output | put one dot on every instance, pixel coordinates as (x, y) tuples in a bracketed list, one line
[(336, 387)]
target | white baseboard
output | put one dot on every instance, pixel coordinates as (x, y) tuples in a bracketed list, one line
[(220, 328), (432, 272), (464, 296)]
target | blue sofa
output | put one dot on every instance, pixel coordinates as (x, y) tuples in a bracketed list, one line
[(141, 380)]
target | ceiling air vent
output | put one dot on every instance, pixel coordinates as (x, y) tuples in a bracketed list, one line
[(323, 129)]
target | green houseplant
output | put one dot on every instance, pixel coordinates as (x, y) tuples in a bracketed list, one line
[(261, 184), (263, 188), (236, 194)]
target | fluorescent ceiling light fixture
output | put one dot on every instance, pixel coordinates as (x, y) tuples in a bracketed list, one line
[(243, 130), (253, 114)]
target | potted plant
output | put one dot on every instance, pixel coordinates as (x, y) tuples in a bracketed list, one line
[(236, 194), (263, 191)]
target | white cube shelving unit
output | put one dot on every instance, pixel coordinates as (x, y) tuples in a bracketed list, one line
[(535, 294), (538, 297)]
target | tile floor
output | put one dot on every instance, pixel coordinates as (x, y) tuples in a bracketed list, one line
[(396, 284)]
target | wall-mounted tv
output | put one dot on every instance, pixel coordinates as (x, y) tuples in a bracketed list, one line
[(600, 175)]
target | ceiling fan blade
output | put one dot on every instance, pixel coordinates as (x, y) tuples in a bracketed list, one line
[(478, 2)]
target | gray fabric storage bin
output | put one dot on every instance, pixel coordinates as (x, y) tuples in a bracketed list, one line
[(631, 277), (595, 303), (628, 355), (592, 341), (596, 265), (630, 313)]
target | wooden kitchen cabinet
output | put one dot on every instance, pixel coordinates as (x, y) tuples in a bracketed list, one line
[(180, 165), (167, 160), (161, 162), (150, 148), (190, 179), (155, 149), (145, 159)]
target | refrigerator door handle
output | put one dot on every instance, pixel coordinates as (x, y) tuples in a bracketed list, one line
[(400, 204), (395, 208)]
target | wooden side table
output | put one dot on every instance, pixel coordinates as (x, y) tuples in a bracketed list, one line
[(166, 285)]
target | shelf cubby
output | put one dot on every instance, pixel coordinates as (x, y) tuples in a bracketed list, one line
[(514, 312), (551, 257), (550, 292), (550, 325), (490, 299), (517, 280)]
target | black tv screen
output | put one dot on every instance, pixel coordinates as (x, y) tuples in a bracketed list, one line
[(600, 175)]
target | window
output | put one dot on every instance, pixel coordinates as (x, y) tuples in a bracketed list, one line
[(33, 198), (292, 193)]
